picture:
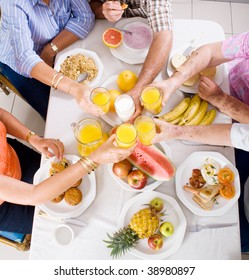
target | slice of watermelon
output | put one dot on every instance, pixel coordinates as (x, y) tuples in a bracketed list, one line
[(112, 37), (153, 162)]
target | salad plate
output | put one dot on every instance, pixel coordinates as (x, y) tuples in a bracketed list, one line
[(173, 214), (62, 209)]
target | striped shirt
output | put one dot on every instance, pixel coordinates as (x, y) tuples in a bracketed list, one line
[(28, 25), (158, 12)]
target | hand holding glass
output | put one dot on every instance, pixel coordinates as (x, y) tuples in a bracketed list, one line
[(100, 97), (146, 129), (126, 135), (151, 99)]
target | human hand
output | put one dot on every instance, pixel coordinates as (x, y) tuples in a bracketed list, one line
[(112, 10), (135, 94), (209, 90), (82, 95), (109, 152), (165, 131), (48, 146)]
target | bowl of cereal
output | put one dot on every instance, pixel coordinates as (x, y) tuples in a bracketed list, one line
[(79, 61)]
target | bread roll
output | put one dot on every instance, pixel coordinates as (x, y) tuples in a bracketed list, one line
[(58, 198), (73, 196)]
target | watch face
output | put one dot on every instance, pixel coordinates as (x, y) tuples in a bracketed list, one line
[(54, 48)]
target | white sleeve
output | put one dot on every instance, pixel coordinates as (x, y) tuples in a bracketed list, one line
[(240, 136)]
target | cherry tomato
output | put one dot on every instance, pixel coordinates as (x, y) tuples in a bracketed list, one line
[(225, 175)]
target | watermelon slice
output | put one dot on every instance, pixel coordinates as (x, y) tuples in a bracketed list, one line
[(153, 162), (112, 37)]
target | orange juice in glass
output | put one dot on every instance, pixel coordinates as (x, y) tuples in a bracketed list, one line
[(100, 97), (89, 135), (146, 129), (126, 135), (151, 99)]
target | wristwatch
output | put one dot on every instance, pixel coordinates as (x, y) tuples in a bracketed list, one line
[(54, 47)]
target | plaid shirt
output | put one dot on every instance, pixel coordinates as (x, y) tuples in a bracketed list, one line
[(158, 12)]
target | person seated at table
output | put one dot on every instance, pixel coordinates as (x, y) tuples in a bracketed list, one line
[(159, 15), (32, 33), (18, 164), (233, 135)]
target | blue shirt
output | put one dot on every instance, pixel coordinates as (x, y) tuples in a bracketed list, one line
[(28, 25)]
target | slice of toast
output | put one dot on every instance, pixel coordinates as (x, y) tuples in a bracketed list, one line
[(205, 205)]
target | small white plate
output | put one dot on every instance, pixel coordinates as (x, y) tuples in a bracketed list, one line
[(218, 78), (86, 53), (125, 54), (152, 183), (63, 235), (62, 209), (184, 172), (174, 215)]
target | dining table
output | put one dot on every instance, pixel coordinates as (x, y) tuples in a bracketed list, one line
[(102, 215)]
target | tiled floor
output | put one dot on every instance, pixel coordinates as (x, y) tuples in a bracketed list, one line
[(233, 17)]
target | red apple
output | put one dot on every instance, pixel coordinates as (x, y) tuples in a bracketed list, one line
[(166, 229), (137, 179), (157, 203), (155, 241), (122, 168)]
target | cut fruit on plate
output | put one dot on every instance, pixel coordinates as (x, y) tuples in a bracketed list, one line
[(112, 37)]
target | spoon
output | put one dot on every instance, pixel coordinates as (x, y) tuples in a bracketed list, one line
[(125, 31), (82, 77)]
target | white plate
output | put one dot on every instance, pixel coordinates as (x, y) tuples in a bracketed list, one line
[(87, 53), (152, 183), (122, 52), (218, 78), (184, 172), (62, 209), (174, 215)]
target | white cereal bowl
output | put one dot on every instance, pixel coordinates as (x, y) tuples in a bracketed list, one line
[(63, 235)]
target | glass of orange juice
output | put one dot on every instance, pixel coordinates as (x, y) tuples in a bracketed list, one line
[(151, 99), (89, 136), (126, 135), (100, 97), (146, 129)]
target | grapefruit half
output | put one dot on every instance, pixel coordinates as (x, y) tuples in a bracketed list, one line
[(112, 37)]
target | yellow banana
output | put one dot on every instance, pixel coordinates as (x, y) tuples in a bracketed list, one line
[(192, 110), (209, 117), (176, 121), (200, 114), (176, 111)]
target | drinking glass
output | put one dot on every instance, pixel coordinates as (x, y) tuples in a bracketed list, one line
[(146, 129), (100, 97), (124, 107), (151, 99), (126, 135)]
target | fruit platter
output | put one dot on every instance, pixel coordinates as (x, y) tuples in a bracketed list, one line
[(154, 224), (200, 187), (132, 175), (59, 206)]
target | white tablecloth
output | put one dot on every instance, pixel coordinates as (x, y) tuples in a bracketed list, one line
[(102, 215)]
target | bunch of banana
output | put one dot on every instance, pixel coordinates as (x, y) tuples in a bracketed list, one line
[(190, 112)]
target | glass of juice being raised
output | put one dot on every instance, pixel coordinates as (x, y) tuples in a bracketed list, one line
[(126, 135), (151, 99), (146, 129), (89, 136), (100, 97)]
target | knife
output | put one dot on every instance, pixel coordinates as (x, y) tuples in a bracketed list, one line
[(191, 46), (62, 220), (196, 228)]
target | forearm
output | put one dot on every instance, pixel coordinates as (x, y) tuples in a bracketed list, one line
[(156, 58), (97, 8), (14, 127), (231, 106), (204, 57), (216, 134), (15, 191), (64, 39)]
